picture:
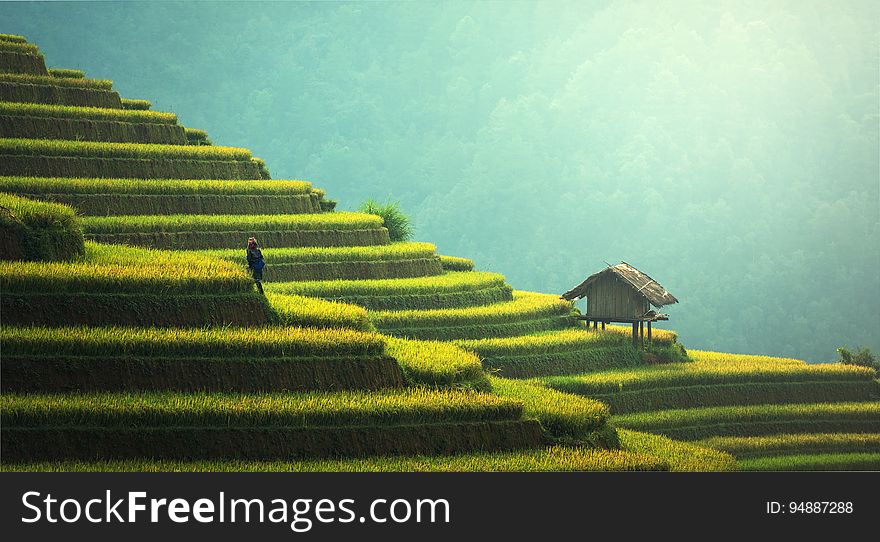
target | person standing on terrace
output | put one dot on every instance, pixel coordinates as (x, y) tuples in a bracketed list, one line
[(255, 262)]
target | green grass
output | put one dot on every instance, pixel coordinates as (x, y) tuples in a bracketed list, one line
[(317, 409), (756, 360), (89, 113), (674, 375), (107, 269), (448, 282), (525, 306), (315, 312), (551, 459), (230, 223), (394, 251), (67, 73), (136, 105), (175, 342), (169, 187), (70, 82), (14, 38), (796, 444), (33, 230), (756, 420), (566, 351), (562, 416), (91, 149), (436, 364), (553, 342), (814, 462), (454, 263), (680, 456), (19, 47), (659, 336)]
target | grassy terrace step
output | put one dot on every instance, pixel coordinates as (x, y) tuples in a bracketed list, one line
[(551, 459), (38, 231), (13, 38), (725, 358), (157, 187), (796, 444), (170, 204), (567, 351), (231, 231), (527, 312), (86, 113), (128, 286), (265, 426), (756, 420), (48, 91), (823, 462), (437, 364), (19, 47), (19, 62), (680, 456), (91, 149), (235, 359), (33, 127), (563, 417), (454, 263), (397, 260), (67, 73), (452, 289), (680, 385)]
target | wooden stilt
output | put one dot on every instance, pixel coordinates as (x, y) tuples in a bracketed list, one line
[(635, 333), (595, 324), (642, 334), (603, 326), (649, 332)]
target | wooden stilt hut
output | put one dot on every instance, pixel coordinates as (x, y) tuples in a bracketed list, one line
[(621, 293)]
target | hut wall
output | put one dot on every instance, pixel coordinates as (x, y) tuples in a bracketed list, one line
[(610, 297)]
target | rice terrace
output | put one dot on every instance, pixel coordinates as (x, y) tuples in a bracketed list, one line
[(134, 338)]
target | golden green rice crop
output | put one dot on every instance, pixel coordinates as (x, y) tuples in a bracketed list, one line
[(795, 443), (92, 149), (312, 409), (438, 364), (281, 341), (14, 38), (552, 459), (724, 357), (90, 113), (243, 223), (316, 312), (39, 214), (819, 462), (866, 411), (141, 105), (67, 73), (680, 456), (525, 306), (447, 282), (564, 340), (454, 263), (75, 82), (57, 185), (657, 334), (561, 415), (19, 47), (393, 251), (703, 373)]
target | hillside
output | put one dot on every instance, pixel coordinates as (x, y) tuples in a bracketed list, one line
[(131, 329)]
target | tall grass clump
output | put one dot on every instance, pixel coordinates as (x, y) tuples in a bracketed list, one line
[(33, 230), (399, 225)]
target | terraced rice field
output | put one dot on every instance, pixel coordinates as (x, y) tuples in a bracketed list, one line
[(129, 354)]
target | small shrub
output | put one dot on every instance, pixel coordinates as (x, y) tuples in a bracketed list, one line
[(863, 357), (399, 225)]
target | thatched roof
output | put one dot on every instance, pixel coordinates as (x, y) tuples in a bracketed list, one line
[(644, 285)]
